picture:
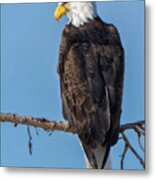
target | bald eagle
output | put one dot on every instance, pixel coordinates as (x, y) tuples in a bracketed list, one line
[(91, 70)]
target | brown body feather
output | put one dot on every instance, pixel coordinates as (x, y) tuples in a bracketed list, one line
[(91, 69)]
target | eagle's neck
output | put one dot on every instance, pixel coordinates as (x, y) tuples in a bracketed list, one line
[(81, 13)]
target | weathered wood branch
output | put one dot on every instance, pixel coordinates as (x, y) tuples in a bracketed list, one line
[(53, 125), (37, 122)]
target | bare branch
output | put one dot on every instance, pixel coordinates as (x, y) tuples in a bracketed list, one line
[(139, 134), (139, 129), (130, 126), (30, 140), (128, 145), (37, 122), (54, 125), (123, 155)]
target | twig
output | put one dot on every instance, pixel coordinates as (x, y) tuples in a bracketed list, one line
[(127, 146), (139, 134), (130, 126), (123, 155), (139, 129), (30, 140)]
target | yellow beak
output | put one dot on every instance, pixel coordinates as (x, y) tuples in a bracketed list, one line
[(60, 11)]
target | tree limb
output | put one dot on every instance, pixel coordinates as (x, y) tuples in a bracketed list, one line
[(54, 125), (37, 122)]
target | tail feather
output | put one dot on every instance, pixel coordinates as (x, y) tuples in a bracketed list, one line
[(98, 158)]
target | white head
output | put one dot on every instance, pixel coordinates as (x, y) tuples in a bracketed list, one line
[(78, 13)]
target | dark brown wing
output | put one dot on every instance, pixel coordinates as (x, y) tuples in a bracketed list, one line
[(112, 65)]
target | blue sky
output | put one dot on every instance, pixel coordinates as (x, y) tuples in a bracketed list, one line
[(30, 39)]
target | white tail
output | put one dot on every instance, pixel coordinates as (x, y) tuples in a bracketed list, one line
[(99, 154)]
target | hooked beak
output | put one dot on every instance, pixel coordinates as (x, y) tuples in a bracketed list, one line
[(60, 11)]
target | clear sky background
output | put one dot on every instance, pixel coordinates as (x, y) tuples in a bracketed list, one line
[(30, 39)]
